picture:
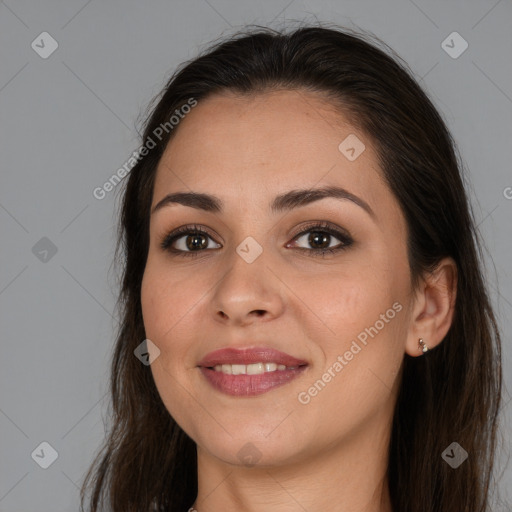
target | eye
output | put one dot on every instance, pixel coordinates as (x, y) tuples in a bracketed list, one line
[(192, 240), (187, 241), (320, 237)]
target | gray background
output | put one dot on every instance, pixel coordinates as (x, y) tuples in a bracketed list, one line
[(69, 121)]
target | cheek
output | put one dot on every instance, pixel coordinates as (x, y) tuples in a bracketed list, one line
[(346, 298), (171, 302), (165, 299), (358, 314), (162, 309), (165, 304), (360, 352)]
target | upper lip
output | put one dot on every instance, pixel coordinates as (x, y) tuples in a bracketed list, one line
[(251, 355)]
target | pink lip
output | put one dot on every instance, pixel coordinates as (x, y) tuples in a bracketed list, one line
[(248, 356), (250, 385)]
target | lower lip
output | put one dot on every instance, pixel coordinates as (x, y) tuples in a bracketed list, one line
[(250, 385)]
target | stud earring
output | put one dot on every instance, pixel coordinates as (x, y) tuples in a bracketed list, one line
[(422, 345)]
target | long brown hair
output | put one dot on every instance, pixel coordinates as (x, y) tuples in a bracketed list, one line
[(452, 393)]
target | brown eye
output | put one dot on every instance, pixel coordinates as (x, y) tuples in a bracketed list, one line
[(195, 242), (187, 240), (321, 239)]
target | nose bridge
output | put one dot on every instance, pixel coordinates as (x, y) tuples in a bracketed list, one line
[(248, 274)]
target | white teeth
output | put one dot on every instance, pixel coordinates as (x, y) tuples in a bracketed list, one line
[(270, 367), (250, 369), (238, 369), (225, 368), (254, 369)]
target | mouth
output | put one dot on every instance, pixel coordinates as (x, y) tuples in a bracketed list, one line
[(251, 369), (250, 372)]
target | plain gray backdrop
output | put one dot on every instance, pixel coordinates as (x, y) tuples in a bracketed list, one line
[(69, 120)]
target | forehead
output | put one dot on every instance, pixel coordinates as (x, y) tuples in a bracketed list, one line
[(247, 147)]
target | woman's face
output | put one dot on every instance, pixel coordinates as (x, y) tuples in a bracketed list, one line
[(258, 280)]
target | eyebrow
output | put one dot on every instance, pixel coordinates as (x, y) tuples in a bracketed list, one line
[(281, 203)]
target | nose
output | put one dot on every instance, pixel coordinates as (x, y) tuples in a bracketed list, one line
[(247, 292)]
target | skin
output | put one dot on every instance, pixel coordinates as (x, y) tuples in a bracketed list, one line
[(331, 453)]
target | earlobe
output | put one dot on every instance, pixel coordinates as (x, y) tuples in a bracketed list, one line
[(434, 308)]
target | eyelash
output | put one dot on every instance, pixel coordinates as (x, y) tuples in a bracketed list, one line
[(322, 227)]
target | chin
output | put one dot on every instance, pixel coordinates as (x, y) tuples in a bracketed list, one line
[(252, 447)]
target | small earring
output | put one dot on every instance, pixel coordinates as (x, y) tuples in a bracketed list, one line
[(422, 345)]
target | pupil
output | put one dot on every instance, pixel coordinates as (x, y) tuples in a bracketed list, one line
[(318, 237)]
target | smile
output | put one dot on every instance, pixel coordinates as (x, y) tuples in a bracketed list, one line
[(249, 371)]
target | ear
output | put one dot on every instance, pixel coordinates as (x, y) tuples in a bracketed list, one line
[(433, 308)]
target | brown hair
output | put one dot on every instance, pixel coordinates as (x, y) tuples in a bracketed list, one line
[(452, 393)]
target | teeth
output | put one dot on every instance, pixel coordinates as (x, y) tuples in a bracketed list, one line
[(225, 368), (238, 369), (254, 369), (251, 369)]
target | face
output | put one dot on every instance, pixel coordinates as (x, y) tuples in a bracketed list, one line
[(324, 281)]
